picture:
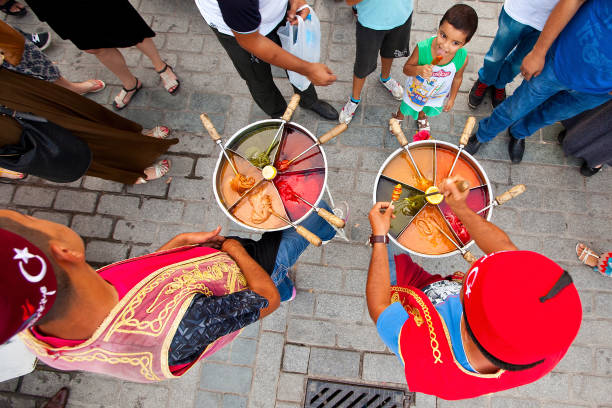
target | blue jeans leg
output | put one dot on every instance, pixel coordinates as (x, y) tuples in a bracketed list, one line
[(528, 96), (509, 35), (512, 64), (291, 247), (562, 105)]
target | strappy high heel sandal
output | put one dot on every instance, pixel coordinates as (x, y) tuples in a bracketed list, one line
[(170, 84), (119, 103)]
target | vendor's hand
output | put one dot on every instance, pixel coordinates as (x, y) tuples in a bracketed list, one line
[(533, 64), (425, 71), (381, 222), (454, 198), (292, 12), (320, 74), (449, 105), (210, 239), (231, 246)]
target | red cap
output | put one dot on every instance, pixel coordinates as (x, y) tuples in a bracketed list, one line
[(521, 306), (28, 287)]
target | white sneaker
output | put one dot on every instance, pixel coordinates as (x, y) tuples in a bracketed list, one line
[(392, 86), (347, 113)]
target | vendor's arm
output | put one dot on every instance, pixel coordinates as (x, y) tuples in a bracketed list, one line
[(378, 287), (210, 239), (561, 14), (487, 235), (256, 277)]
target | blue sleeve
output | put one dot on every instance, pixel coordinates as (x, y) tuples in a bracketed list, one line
[(389, 325)]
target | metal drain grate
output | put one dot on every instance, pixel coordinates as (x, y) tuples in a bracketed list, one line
[(327, 394)]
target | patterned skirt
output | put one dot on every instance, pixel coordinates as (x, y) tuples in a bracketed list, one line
[(35, 63)]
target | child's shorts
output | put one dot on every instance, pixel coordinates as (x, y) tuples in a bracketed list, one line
[(393, 43), (407, 110)]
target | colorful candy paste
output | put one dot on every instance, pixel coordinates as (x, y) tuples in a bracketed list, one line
[(228, 195), (423, 235), (294, 143), (400, 168), (306, 184), (444, 161), (255, 143), (477, 199), (402, 218), (248, 214)]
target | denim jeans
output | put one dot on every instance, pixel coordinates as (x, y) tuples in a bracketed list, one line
[(512, 42), (536, 103), (291, 247)]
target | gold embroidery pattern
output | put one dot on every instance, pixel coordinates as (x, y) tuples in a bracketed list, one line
[(188, 282), (142, 360), (432, 335), (416, 314)]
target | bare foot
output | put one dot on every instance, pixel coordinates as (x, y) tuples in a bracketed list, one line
[(586, 256)]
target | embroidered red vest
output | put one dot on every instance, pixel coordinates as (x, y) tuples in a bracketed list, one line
[(133, 341), (429, 363)]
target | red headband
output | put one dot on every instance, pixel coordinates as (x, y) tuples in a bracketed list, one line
[(28, 287)]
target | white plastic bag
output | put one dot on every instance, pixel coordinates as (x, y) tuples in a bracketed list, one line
[(304, 41), (17, 359)]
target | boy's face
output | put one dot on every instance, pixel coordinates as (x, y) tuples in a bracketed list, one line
[(448, 40)]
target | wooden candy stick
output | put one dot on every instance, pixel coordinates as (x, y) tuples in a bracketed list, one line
[(210, 128), (467, 132), (291, 107), (333, 132), (505, 197), (309, 236), (396, 128), (469, 257), (510, 194), (323, 213)]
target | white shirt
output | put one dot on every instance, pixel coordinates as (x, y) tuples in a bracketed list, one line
[(272, 12), (533, 13)]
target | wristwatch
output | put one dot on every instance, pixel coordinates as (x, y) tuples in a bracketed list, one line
[(378, 238)]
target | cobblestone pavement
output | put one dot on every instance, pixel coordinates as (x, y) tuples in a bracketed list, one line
[(326, 331)]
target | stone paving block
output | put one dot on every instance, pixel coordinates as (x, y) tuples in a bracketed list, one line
[(333, 363), (143, 395), (226, 378), (365, 182), (539, 222), (303, 304), (311, 255), (355, 281), (17, 401), (277, 321), (92, 226), (552, 176), (296, 358), (560, 249), (577, 228), (290, 387), (95, 183), (591, 389), (343, 34), (206, 102), (547, 404), (9, 385), (105, 252), (162, 210), (347, 255), (145, 117), (251, 331), (188, 43), (221, 356), (599, 205), (60, 218), (505, 402), (6, 193), (205, 167), (317, 277), (243, 351), (603, 305), (190, 122), (603, 361), (341, 180), (332, 306), (358, 136), (360, 337), (207, 399), (552, 386), (578, 359), (263, 391), (189, 189), (231, 401), (315, 332), (141, 231), (382, 368), (119, 205), (34, 196), (169, 231), (594, 332), (92, 389), (75, 201), (44, 383), (168, 24)]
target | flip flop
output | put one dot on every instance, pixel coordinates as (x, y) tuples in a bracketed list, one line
[(161, 168), (98, 84), (158, 132), (583, 255), (118, 104)]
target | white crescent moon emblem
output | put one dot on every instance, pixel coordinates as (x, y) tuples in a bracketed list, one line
[(34, 278)]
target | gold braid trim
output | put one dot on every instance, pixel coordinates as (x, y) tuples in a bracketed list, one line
[(437, 355)]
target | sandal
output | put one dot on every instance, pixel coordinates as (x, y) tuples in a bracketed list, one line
[(6, 8), (583, 255), (98, 85), (423, 124), (160, 168), (10, 174), (169, 82), (158, 132), (119, 102)]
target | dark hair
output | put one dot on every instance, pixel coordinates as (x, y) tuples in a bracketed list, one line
[(463, 18), (499, 363), (64, 286)]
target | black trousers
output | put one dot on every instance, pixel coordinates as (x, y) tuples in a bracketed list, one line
[(258, 76)]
